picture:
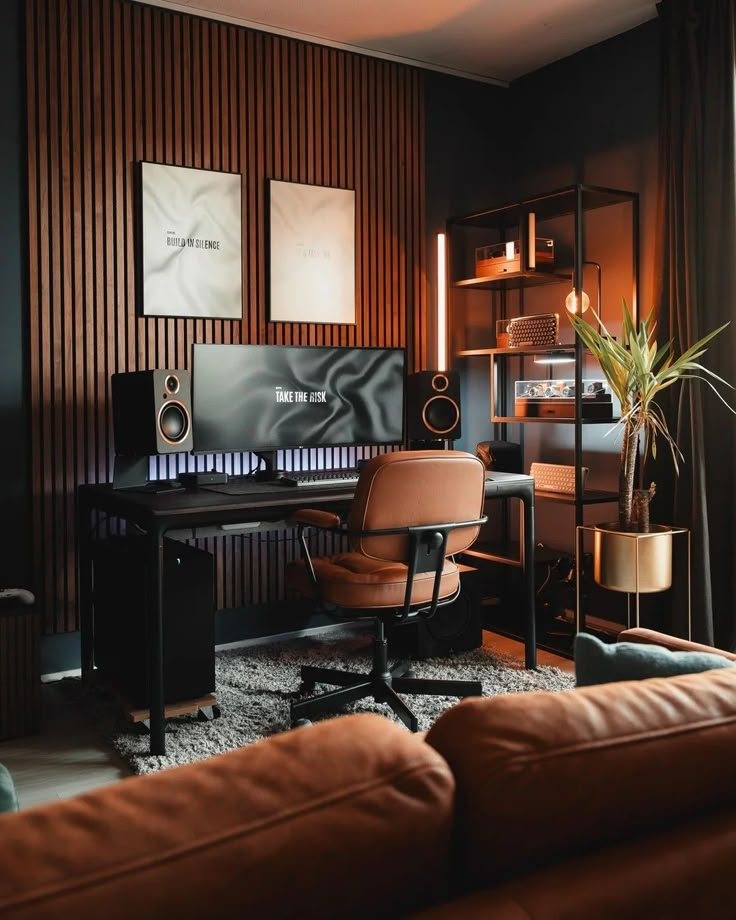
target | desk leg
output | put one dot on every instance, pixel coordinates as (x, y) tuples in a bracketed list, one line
[(527, 571), (154, 612), (84, 587)]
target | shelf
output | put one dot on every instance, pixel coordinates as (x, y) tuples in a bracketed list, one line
[(565, 348), (526, 420), (513, 280), (590, 497), (508, 553), (554, 204), (474, 321)]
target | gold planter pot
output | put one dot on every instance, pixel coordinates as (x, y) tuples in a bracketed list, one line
[(636, 563)]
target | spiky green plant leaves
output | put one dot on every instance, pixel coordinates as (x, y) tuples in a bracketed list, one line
[(638, 371)]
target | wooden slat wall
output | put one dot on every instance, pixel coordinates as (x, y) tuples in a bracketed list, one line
[(20, 688), (111, 83)]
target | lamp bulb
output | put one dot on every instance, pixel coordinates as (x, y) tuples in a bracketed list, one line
[(571, 302)]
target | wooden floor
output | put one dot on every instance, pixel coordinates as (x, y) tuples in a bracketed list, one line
[(67, 757), (515, 649)]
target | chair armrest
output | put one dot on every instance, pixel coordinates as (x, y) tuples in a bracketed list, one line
[(673, 643), (311, 517)]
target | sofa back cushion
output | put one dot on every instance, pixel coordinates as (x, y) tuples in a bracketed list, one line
[(545, 776), (348, 818)]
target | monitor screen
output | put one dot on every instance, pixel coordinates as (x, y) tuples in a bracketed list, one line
[(272, 397)]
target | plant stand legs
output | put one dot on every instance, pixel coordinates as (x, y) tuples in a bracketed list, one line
[(637, 537)]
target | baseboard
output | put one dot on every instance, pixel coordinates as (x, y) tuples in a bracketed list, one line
[(351, 627)]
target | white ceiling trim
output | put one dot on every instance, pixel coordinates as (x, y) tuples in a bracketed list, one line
[(319, 40)]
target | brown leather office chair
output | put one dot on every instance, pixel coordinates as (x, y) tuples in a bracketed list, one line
[(412, 511)]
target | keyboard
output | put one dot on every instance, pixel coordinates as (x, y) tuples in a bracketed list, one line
[(324, 479), (553, 477), (321, 478)]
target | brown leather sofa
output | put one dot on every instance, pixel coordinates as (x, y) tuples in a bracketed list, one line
[(613, 801)]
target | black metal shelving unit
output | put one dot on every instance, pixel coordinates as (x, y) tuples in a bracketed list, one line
[(476, 338)]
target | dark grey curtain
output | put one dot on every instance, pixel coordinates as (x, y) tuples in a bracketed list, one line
[(697, 257)]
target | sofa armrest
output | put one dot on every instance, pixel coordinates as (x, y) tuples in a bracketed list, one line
[(348, 818), (542, 777), (673, 643)]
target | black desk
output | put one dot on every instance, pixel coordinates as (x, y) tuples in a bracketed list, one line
[(205, 513)]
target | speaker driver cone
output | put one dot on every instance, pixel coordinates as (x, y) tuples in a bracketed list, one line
[(173, 422), (441, 414)]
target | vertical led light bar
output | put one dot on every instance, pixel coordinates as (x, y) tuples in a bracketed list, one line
[(441, 305)]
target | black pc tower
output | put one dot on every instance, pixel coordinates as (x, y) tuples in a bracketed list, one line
[(453, 629), (120, 631)]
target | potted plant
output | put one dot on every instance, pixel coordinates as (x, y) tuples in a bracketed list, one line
[(638, 371)]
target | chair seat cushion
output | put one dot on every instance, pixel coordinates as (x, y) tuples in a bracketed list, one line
[(353, 580)]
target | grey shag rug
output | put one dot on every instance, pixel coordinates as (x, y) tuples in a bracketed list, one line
[(254, 688)]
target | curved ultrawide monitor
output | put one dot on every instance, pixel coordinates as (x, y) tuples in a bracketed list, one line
[(273, 397)]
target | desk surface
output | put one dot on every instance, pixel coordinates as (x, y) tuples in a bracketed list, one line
[(262, 501)]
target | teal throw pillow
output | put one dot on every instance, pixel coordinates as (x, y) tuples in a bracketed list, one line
[(8, 798), (599, 663)]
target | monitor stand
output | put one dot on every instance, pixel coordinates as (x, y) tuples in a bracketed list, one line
[(269, 473)]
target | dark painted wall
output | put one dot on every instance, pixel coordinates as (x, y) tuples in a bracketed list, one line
[(592, 118), (589, 118), (14, 456), (468, 146), (468, 165)]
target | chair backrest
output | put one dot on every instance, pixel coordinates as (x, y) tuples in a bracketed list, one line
[(416, 487)]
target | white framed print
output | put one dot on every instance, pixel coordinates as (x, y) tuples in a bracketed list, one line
[(191, 248), (311, 253)]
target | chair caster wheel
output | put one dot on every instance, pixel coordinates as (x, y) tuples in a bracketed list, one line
[(208, 713), (300, 723), (410, 674), (306, 686)]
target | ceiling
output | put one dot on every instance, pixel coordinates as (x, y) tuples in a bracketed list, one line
[(489, 40)]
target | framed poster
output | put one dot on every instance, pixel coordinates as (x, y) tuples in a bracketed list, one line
[(312, 253), (191, 243)]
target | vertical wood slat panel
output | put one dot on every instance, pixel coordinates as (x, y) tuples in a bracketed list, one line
[(33, 95), (20, 688), (110, 84)]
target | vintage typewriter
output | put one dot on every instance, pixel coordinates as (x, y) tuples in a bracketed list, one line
[(539, 329)]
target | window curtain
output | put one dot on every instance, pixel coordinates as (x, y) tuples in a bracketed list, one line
[(697, 293)]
